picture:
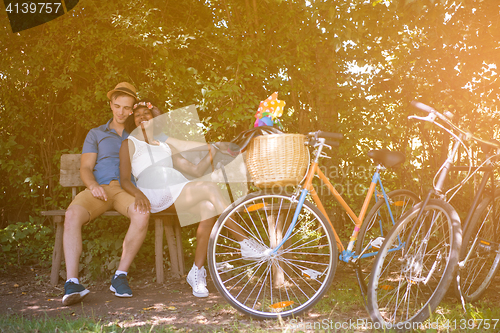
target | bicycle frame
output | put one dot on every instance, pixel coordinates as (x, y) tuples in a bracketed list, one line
[(448, 166), (348, 254)]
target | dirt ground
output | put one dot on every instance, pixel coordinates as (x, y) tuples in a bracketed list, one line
[(27, 292)]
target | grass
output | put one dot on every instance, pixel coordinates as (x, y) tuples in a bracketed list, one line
[(343, 296), (479, 317), (61, 324), (337, 306), (18, 324)]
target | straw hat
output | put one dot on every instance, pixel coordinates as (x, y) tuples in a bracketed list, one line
[(123, 87)]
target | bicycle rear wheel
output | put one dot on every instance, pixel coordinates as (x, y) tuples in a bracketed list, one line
[(481, 250), (409, 280), (286, 283), (378, 222)]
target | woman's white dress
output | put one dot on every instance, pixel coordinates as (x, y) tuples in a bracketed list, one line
[(155, 175)]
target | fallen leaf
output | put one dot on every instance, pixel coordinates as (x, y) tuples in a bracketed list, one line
[(16, 285), (171, 308), (280, 305)]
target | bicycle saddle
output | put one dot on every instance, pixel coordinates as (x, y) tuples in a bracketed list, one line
[(386, 157)]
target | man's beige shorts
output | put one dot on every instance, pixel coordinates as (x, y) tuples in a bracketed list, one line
[(118, 199)]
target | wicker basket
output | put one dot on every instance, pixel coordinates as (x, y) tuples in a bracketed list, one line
[(277, 159)]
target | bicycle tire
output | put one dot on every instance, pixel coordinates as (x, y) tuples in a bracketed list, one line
[(289, 283), (484, 259), (378, 223), (407, 286)]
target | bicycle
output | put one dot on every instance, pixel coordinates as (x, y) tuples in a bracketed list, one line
[(407, 286), (480, 252), (296, 240)]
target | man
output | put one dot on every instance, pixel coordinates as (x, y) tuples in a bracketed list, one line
[(100, 172)]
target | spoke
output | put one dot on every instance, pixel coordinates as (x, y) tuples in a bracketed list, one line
[(242, 274)]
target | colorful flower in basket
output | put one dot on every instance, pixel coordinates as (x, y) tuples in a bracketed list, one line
[(269, 110)]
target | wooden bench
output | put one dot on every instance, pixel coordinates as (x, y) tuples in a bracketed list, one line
[(70, 177)]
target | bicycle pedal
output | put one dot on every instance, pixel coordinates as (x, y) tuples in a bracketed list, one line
[(377, 242), (311, 273)]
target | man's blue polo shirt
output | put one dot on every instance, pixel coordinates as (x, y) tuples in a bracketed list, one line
[(106, 143)]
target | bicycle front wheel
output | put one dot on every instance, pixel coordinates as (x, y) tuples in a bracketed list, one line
[(376, 226), (263, 284), (415, 265), (480, 251)]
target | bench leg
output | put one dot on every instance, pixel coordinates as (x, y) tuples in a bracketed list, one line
[(159, 250), (58, 250), (172, 247), (180, 251)]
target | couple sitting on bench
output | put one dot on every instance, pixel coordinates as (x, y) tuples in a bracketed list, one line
[(110, 156)]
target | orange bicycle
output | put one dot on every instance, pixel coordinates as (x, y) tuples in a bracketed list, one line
[(294, 248)]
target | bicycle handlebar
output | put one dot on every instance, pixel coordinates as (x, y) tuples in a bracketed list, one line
[(332, 143), (447, 119), (322, 134), (423, 107), (335, 136), (314, 136)]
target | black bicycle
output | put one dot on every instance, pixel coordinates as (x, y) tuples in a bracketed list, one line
[(406, 286)]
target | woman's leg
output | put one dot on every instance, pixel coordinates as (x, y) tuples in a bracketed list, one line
[(203, 231), (196, 193)]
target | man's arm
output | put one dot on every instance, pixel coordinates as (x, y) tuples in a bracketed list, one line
[(86, 173)]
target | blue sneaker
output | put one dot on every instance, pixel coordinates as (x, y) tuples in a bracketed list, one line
[(119, 285), (73, 293)]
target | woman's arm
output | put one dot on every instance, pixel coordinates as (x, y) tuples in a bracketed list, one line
[(142, 204), (197, 170), (182, 145)]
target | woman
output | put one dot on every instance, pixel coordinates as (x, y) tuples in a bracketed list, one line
[(151, 160)]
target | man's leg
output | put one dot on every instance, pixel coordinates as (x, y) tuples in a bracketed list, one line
[(124, 203), (83, 208), (76, 217), (134, 238)]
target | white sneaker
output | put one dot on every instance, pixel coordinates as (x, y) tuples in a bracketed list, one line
[(197, 279), (224, 266), (251, 249)]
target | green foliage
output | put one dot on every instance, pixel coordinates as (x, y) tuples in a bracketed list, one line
[(14, 324), (26, 243)]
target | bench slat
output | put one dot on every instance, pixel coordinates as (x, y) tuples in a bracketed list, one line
[(70, 170)]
